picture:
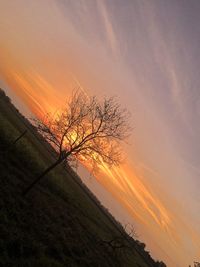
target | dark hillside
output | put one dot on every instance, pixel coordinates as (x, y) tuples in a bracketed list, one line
[(60, 223)]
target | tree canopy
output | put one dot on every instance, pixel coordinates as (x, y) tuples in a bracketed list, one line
[(86, 130)]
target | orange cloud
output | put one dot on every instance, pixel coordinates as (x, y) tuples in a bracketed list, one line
[(35, 91), (128, 184)]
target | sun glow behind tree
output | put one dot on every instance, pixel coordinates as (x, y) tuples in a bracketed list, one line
[(87, 130)]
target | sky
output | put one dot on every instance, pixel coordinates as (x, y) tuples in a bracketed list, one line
[(146, 53)]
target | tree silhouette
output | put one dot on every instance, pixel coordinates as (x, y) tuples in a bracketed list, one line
[(85, 130)]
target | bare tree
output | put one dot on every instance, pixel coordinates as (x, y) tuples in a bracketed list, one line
[(123, 240), (86, 130)]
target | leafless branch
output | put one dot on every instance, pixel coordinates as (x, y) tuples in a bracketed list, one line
[(86, 130)]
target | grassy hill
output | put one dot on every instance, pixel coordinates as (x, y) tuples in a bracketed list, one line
[(60, 223)]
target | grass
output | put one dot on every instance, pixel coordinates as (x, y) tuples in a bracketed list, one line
[(58, 224)]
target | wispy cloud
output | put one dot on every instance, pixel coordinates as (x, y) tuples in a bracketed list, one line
[(43, 57), (34, 89), (129, 185), (109, 29)]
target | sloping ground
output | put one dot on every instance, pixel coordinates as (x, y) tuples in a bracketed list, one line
[(57, 224)]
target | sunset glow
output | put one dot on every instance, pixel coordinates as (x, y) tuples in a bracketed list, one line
[(146, 53)]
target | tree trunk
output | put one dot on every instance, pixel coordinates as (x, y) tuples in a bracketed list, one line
[(51, 167)]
